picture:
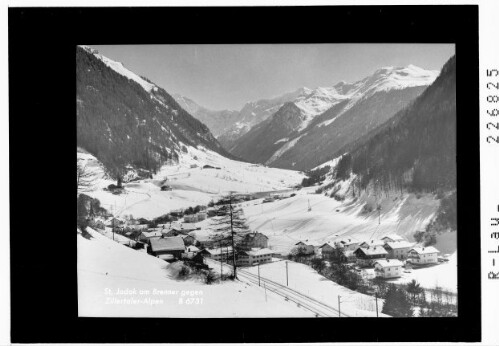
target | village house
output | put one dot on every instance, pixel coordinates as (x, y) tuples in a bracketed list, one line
[(423, 255), (147, 236), (303, 248), (192, 248), (349, 244), (201, 216), (371, 243), (327, 250), (190, 252), (165, 248), (392, 238), (397, 249), (367, 256), (217, 254), (184, 228), (211, 212), (167, 232), (203, 240), (349, 256), (254, 256), (389, 268), (138, 227), (254, 240)]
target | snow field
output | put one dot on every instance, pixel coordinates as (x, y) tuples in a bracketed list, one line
[(116, 281)]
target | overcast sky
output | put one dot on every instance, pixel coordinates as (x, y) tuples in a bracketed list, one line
[(228, 76)]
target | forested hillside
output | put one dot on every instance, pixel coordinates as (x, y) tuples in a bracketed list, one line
[(125, 120), (416, 148)]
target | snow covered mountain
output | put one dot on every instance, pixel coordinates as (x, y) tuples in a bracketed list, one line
[(332, 117), (229, 125), (218, 122), (127, 121)]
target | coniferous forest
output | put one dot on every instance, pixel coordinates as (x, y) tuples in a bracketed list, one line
[(416, 149), (123, 125)]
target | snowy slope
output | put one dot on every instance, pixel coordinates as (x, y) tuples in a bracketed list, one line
[(147, 290), (287, 221), (120, 68), (307, 281), (191, 184)]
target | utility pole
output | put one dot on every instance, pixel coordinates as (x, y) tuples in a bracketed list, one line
[(287, 274), (265, 288), (258, 273), (339, 306), (232, 238), (221, 264), (376, 296)]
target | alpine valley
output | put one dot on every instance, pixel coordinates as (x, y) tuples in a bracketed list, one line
[(321, 177)]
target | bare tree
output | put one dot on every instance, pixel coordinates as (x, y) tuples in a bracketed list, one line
[(231, 222), (84, 178)]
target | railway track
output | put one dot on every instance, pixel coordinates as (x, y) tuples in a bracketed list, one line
[(318, 308)]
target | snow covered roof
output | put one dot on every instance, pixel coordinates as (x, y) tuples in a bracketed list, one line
[(152, 234), (389, 263), (323, 245), (372, 242), (425, 250), (373, 250), (185, 227), (255, 234), (392, 237), (192, 248), (168, 243), (349, 241), (398, 244), (260, 252)]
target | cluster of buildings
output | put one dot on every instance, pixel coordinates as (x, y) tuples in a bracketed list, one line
[(179, 240), (387, 255)]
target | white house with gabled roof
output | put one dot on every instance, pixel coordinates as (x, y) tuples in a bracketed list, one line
[(423, 255), (388, 268)]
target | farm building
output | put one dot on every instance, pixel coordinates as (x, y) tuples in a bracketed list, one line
[(397, 249), (388, 268), (367, 256), (254, 240), (254, 256), (173, 246), (423, 255)]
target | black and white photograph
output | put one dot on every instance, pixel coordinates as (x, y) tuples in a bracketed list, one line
[(250, 173), (267, 180)]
